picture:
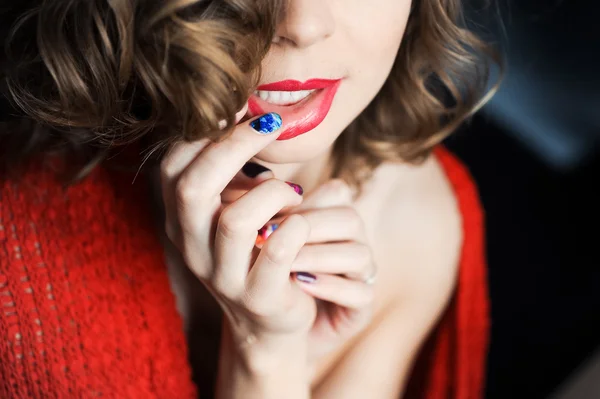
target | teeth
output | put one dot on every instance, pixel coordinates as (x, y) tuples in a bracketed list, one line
[(283, 97)]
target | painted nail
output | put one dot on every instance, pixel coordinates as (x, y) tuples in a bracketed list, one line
[(297, 188), (267, 123), (306, 278), (252, 169), (264, 233)]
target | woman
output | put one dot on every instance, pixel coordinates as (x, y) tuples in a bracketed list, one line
[(300, 194)]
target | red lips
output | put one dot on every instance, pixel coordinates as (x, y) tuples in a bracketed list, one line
[(303, 116), (294, 85)]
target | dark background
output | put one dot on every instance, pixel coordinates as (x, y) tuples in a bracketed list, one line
[(535, 156)]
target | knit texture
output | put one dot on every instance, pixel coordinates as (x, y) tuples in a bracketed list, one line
[(86, 308)]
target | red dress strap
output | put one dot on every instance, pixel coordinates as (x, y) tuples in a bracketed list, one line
[(452, 363)]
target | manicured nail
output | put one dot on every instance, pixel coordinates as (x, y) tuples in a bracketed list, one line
[(297, 188), (264, 233), (267, 123), (252, 169), (306, 278)]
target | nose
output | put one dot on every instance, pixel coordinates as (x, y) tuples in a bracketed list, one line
[(306, 22)]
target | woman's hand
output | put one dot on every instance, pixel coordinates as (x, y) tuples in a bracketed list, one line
[(339, 258), (265, 310), (336, 267)]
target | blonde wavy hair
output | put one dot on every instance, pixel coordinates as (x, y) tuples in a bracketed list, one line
[(86, 76)]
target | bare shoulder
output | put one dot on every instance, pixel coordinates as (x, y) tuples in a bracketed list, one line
[(416, 233), (414, 228)]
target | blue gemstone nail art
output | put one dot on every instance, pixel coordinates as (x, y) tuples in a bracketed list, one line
[(267, 123)]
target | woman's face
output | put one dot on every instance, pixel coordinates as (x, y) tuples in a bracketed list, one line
[(339, 53)]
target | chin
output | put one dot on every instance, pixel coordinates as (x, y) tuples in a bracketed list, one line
[(285, 152), (300, 149)]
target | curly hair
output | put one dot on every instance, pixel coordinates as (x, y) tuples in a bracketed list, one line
[(83, 77)]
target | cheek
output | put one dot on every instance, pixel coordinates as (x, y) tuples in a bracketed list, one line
[(376, 32)]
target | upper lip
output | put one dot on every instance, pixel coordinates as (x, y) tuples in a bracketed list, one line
[(294, 85)]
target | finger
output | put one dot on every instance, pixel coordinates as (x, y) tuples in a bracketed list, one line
[(181, 154), (351, 259), (339, 290), (238, 117), (251, 175), (177, 158), (216, 166), (269, 277), (334, 225), (235, 191), (254, 170), (241, 113), (172, 165), (238, 226), (334, 193)]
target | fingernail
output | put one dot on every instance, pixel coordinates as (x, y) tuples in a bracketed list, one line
[(297, 188), (306, 278), (265, 232), (267, 123), (252, 169)]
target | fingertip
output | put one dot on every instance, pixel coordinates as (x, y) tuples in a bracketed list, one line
[(297, 188), (267, 124), (255, 170), (305, 278)]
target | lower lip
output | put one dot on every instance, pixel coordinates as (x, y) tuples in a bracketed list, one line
[(301, 117)]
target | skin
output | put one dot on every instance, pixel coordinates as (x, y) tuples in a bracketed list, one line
[(356, 41), (276, 341)]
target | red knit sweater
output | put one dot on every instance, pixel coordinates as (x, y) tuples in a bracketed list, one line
[(86, 309)]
